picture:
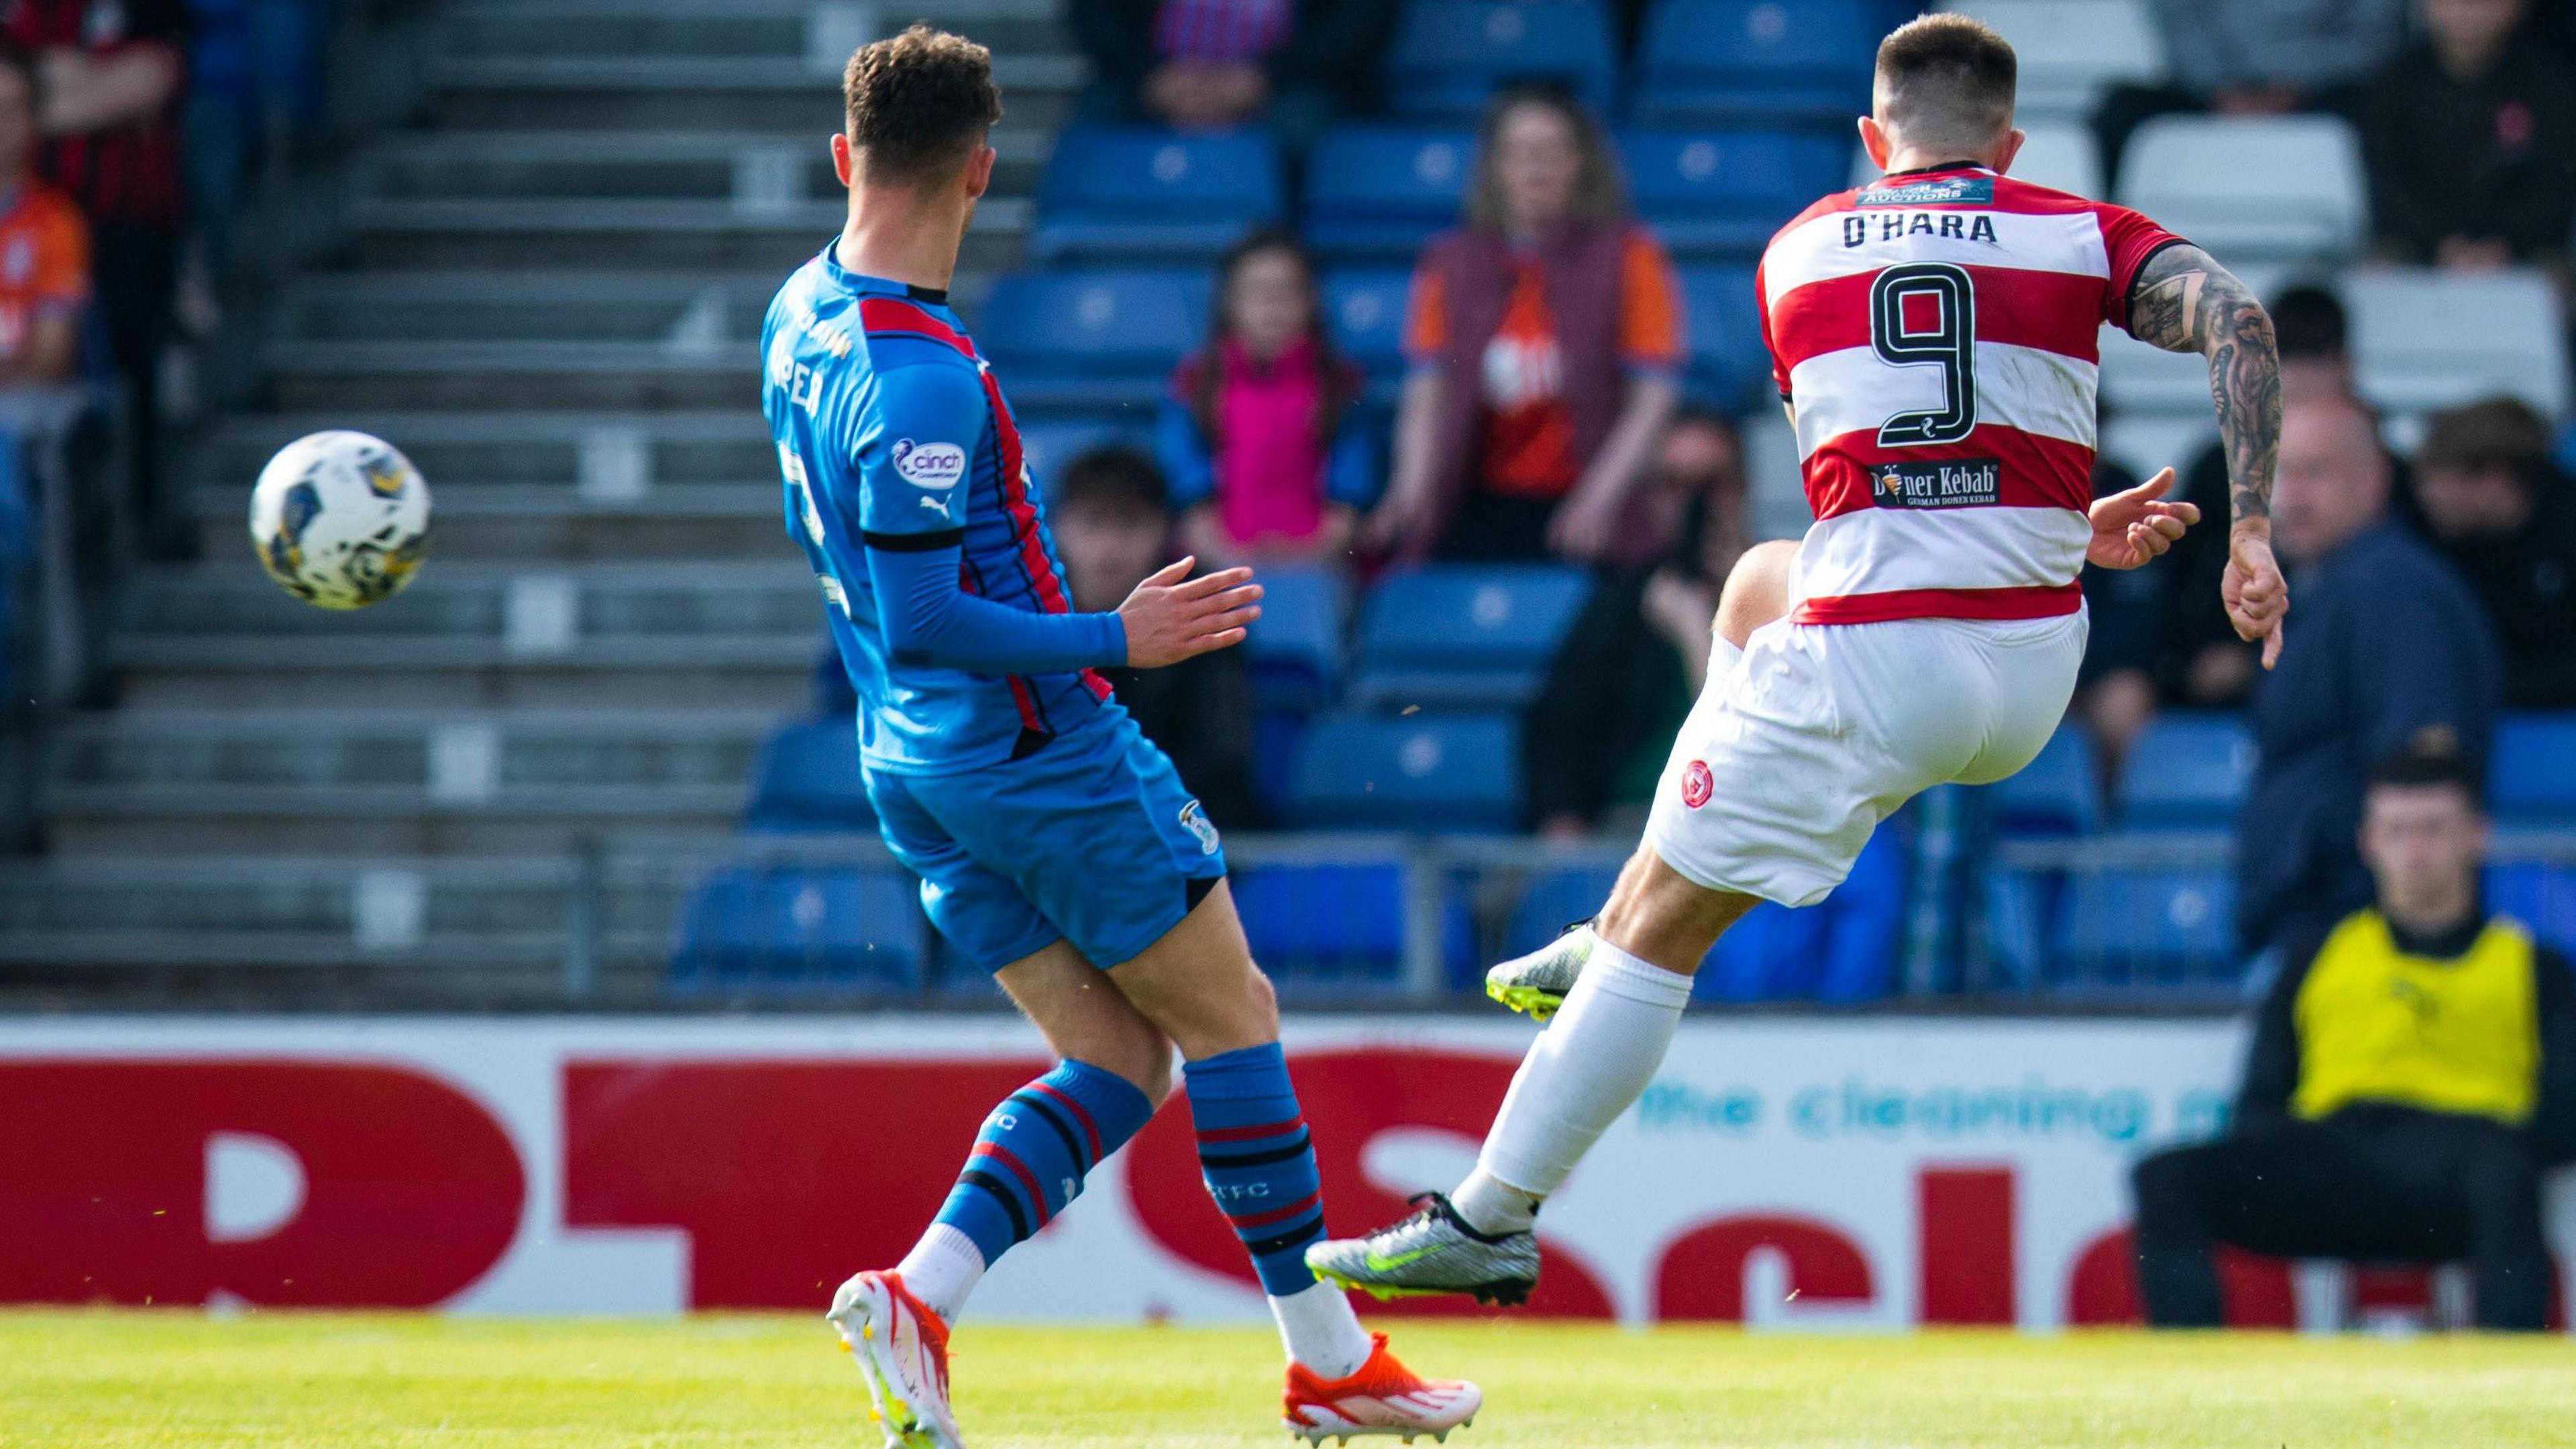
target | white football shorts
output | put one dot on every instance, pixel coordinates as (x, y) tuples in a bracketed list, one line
[(1816, 733)]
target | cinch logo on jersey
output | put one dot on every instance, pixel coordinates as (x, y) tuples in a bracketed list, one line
[(1968, 483), (1195, 821), (1937, 339), (929, 465)]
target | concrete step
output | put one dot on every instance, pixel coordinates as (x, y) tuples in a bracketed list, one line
[(356, 376), (754, 172), (553, 306), (692, 92), (467, 761), (113, 820), (463, 603), (610, 455), (822, 34), (538, 522), (635, 235)]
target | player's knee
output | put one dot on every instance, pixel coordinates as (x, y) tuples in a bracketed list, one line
[(1757, 590)]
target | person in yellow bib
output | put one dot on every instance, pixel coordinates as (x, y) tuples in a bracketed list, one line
[(2412, 1075)]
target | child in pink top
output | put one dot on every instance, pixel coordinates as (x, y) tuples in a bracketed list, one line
[(1260, 436)]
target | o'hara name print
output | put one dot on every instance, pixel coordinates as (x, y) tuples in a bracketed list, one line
[(1956, 483)]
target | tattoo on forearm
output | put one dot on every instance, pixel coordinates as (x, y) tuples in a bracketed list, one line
[(2185, 302)]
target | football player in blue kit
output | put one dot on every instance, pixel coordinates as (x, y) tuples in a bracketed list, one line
[(1056, 847)]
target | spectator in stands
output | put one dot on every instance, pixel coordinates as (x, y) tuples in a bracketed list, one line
[(1211, 64), (109, 78), (2197, 660), (1636, 656), (2387, 650), (2470, 140), (2254, 58), (1112, 521), (2115, 692), (2496, 506), (2413, 1071), (1545, 338), (44, 245), (1262, 436)]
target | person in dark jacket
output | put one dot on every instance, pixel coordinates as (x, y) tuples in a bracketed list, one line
[(2492, 501), (2386, 648), (2469, 140), (2412, 1074), (1213, 64), (1112, 522)]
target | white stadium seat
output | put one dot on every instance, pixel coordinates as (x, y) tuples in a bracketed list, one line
[(2167, 440), (2427, 340), (1774, 485), (2249, 189), (2138, 380), (2071, 50)]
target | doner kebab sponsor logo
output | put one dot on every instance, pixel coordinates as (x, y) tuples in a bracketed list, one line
[(929, 465)]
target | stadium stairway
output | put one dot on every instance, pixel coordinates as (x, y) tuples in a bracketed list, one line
[(546, 293)]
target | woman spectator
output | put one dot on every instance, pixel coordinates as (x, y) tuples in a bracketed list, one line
[(1545, 337), (1261, 436)]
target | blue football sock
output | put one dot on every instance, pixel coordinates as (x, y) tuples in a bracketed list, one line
[(1259, 1163), (1031, 1156)]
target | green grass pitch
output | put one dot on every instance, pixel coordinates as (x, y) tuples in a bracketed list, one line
[(104, 1380)]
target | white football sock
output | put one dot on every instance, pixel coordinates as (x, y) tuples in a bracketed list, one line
[(1491, 1205), (1321, 1331), (942, 1269), (1591, 1064)]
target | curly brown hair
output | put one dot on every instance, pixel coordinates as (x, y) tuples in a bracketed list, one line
[(919, 103)]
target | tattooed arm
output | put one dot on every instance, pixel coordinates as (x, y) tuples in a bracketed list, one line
[(2183, 301)]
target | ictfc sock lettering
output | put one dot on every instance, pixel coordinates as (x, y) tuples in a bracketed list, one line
[(1034, 1150), (1258, 1160)]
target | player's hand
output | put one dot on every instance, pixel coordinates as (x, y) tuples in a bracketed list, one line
[(1402, 516), (2257, 597), (1583, 526), (1172, 617), (2131, 528)]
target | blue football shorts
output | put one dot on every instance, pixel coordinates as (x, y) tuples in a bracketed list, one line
[(1092, 839)]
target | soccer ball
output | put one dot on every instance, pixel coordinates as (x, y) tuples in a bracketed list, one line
[(340, 519)]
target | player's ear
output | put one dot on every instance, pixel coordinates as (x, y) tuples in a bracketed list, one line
[(841, 158), (979, 172), (2010, 148), (1873, 139)]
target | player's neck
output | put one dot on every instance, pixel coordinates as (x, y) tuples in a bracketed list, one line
[(911, 244), (1930, 158)]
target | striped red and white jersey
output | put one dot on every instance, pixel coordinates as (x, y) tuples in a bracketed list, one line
[(1936, 337)]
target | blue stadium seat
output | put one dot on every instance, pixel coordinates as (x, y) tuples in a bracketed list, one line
[(789, 931), (1048, 446), (2533, 778), (1430, 773), (1135, 194), (1091, 341), (1553, 900), (2540, 894), (1722, 195), (2147, 927), (1449, 55), (1464, 635), (2057, 794), (2186, 771), (1794, 61), (1276, 735), (1365, 310), (1294, 649), (1728, 363), (1375, 193), (807, 779)]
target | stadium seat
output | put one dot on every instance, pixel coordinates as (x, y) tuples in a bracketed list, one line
[(2057, 794), (1426, 773), (1328, 927), (2133, 927), (2071, 52), (1774, 484), (2540, 894), (1294, 649), (1729, 366), (1464, 635), (1092, 341), (2532, 779), (750, 930), (1376, 193), (807, 779), (2250, 188), (1365, 309), (1135, 194), (1449, 55), (1048, 446), (2425, 340), (1723, 195), (2186, 770), (2149, 441), (1756, 61)]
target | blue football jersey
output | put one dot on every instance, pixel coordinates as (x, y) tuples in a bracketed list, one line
[(892, 433)]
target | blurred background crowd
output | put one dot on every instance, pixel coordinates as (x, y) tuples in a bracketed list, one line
[(1439, 313)]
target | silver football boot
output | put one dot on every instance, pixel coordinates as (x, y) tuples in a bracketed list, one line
[(1535, 985), (1433, 1251)]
